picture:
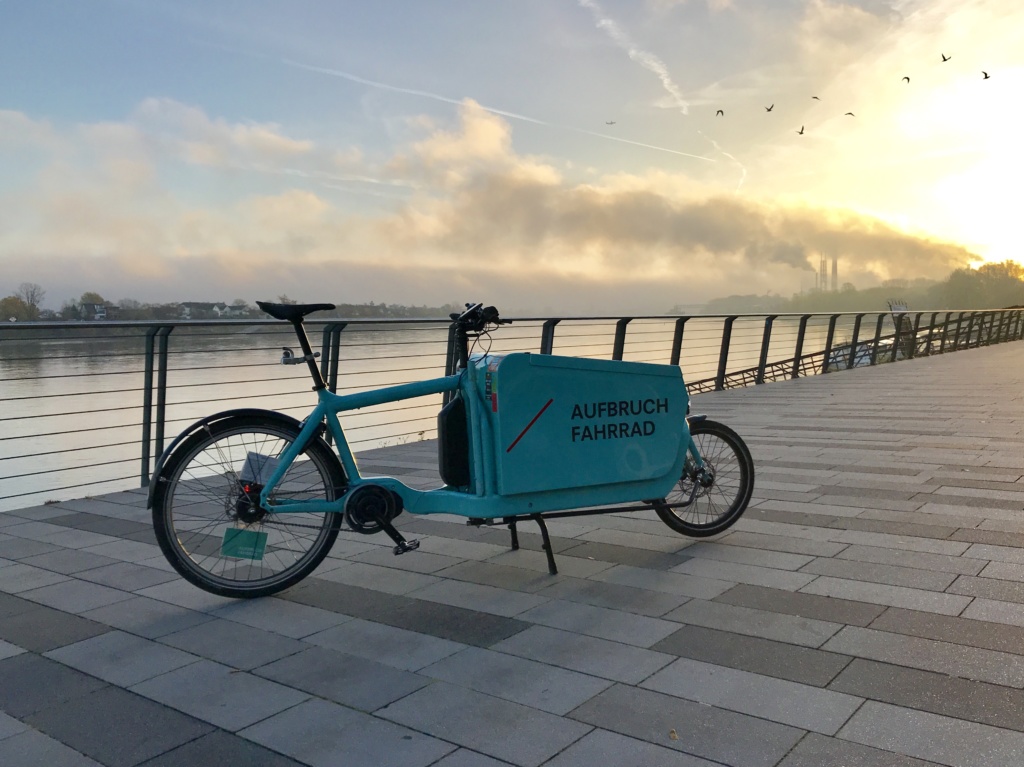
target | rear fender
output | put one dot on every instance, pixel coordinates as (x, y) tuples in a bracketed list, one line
[(208, 421)]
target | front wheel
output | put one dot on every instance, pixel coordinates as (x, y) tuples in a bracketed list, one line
[(208, 519), (710, 498)]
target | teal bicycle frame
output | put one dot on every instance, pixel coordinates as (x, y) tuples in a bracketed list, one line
[(482, 498)]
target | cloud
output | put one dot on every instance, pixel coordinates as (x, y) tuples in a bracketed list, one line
[(644, 58), (217, 142), (481, 218)]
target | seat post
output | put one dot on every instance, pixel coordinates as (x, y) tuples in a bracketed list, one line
[(307, 352)]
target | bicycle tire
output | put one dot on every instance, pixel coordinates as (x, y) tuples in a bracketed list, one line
[(201, 498), (717, 507)]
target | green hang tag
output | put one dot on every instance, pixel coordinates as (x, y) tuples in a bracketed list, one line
[(243, 544)]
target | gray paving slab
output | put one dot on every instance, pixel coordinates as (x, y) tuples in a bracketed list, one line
[(19, 578), (761, 623), (892, 575), (893, 596), (706, 731), (537, 562), (748, 555), (520, 680), (395, 647), (589, 655), (821, 608), (731, 572), (614, 596), (777, 700), (939, 562), (761, 656), (10, 726), (324, 734), (624, 555), (126, 576), (378, 578), (473, 596), (935, 738), (17, 548), (233, 644), (616, 625), (33, 749), (347, 679), (121, 659), (509, 731), (938, 693), (930, 655), (603, 747), (43, 628), (463, 757), (68, 561), (675, 583), (8, 650), (117, 728), (944, 628), (221, 748), (819, 751), (220, 695), (990, 588), (280, 616), (146, 617), (76, 596)]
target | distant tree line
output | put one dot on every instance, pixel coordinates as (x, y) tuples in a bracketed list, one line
[(24, 306), (990, 286)]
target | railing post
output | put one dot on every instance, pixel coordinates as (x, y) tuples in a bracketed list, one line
[(161, 386), (331, 353), (451, 360), (620, 338), (931, 333), (1018, 325), (898, 323), (959, 325), (677, 341), (723, 355), (852, 358), (547, 336), (1002, 332), (147, 407), (766, 341), (945, 332), (799, 350), (828, 342), (917, 329), (878, 338)]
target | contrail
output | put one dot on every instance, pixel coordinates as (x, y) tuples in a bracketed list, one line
[(513, 115), (644, 58), (653, 64)]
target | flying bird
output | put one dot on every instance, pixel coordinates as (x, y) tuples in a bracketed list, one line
[(984, 73), (815, 98), (907, 79), (945, 57), (851, 114), (719, 112), (801, 131), (609, 122), (769, 109)]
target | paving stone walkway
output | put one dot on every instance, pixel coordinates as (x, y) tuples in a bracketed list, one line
[(867, 611)]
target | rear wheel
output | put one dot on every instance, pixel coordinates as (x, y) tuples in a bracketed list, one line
[(709, 499), (207, 515)]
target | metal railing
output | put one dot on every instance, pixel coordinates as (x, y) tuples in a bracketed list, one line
[(87, 407)]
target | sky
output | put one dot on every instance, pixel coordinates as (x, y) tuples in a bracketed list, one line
[(564, 156)]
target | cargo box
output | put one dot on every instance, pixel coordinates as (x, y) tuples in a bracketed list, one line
[(598, 422)]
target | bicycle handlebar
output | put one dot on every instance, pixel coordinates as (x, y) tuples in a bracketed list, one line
[(477, 317)]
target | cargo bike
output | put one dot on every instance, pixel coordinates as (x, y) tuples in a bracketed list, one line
[(248, 502)]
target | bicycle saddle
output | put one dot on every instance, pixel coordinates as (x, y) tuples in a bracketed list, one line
[(291, 312)]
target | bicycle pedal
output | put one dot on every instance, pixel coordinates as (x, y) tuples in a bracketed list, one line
[(405, 546)]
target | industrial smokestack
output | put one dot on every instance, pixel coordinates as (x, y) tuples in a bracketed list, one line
[(835, 274)]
